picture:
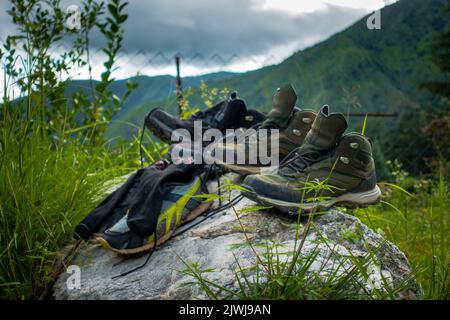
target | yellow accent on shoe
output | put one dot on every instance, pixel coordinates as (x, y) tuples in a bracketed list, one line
[(176, 209)]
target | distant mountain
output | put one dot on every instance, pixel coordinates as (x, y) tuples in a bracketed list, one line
[(150, 90), (386, 64), (154, 88)]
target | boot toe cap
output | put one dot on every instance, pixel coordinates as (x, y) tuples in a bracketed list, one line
[(262, 185)]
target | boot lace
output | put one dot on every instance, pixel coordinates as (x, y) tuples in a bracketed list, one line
[(298, 161)]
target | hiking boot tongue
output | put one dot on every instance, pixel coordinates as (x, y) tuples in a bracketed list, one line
[(325, 132), (283, 104), (232, 112)]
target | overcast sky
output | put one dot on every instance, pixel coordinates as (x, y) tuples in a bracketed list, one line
[(240, 34)]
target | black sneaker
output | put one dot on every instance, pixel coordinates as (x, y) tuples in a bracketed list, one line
[(180, 205)]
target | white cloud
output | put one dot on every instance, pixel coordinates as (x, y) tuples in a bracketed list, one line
[(308, 6)]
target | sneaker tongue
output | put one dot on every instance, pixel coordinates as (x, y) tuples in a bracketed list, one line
[(283, 104), (325, 132)]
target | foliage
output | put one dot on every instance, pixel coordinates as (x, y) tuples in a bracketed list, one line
[(47, 186), (440, 57), (210, 96), (419, 224), (54, 163), (32, 65)]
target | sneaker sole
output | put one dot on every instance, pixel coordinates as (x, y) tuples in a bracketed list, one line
[(347, 200), (191, 216)]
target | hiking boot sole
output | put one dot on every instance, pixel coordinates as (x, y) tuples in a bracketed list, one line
[(241, 169), (347, 200), (191, 216)]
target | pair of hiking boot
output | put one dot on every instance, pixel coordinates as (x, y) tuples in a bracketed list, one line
[(320, 166)]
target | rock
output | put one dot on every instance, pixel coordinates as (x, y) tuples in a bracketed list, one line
[(217, 244)]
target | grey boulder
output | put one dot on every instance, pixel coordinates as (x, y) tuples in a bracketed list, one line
[(336, 239)]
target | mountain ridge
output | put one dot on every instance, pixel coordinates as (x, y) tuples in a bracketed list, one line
[(150, 88)]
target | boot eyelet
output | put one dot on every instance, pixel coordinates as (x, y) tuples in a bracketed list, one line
[(306, 120), (354, 145), (296, 132), (344, 160)]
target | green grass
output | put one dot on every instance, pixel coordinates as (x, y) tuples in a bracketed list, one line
[(47, 185), (419, 224), (49, 182)]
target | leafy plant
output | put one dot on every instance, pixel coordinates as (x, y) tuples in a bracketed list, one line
[(32, 64), (54, 163), (418, 223), (210, 96)]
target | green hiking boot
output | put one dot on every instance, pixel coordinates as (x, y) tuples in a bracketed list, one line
[(293, 125), (328, 169)]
